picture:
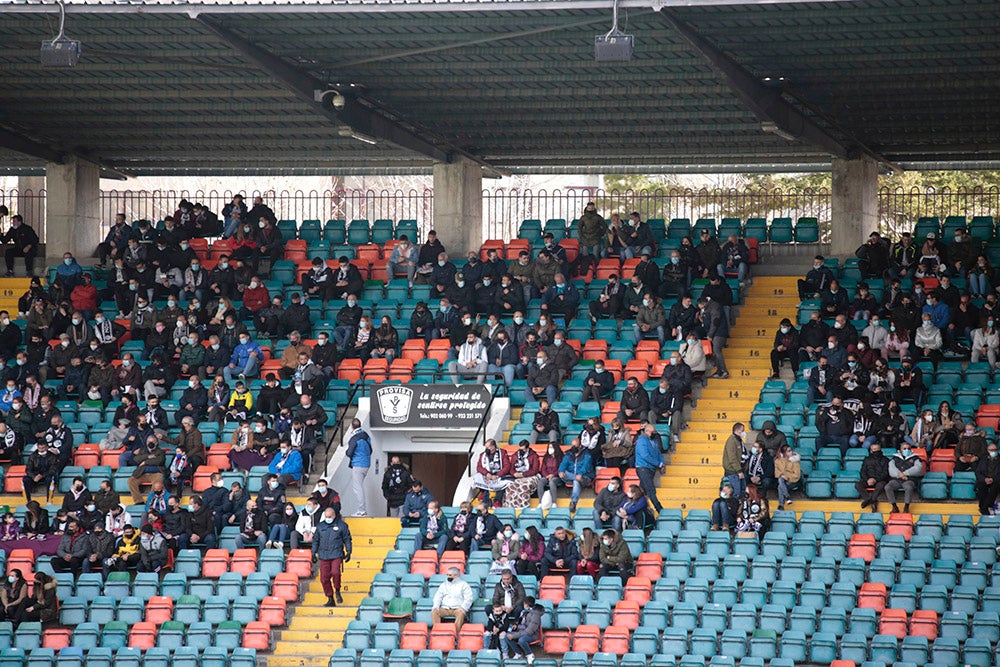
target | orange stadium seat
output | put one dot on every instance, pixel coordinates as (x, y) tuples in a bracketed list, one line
[(285, 586), (244, 561), (443, 637), (862, 546), (872, 596), (893, 622), (414, 637), (257, 635), (470, 638), (924, 623), (587, 638), (159, 609), (616, 639), (142, 636)]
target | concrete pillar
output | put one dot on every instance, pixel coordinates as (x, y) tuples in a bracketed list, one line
[(458, 206), (854, 204), (73, 209), (31, 200)]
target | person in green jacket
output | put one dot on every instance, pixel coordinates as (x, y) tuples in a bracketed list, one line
[(733, 455), (615, 556), (592, 230), (192, 355)]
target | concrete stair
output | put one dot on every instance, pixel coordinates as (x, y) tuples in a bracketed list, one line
[(314, 631)]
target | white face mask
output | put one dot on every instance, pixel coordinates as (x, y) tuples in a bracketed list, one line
[(831, 345)]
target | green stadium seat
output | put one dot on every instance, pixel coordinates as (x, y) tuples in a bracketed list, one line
[(807, 230)]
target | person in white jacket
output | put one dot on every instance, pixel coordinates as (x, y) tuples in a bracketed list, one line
[(986, 342), (875, 333), (453, 598), (905, 469), (693, 354), (928, 340), (471, 360), (305, 525)]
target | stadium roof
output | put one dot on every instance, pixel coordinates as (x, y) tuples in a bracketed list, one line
[(189, 87)]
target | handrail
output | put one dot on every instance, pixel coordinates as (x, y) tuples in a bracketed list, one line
[(481, 430), (343, 415)]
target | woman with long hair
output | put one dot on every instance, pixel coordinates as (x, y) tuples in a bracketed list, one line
[(532, 550), (755, 515), (549, 471)]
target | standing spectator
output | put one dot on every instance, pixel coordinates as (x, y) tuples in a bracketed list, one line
[(359, 456), (905, 470), (453, 599), (396, 481), (648, 461), (733, 455), (988, 480), (715, 325), (592, 229), (577, 471)]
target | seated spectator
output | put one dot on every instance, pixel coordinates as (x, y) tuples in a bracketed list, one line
[(754, 518), (833, 301), (415, 505), (281, 530), (606, 504), (634, 402), (73, 551), (126, 551), (609, 302), (835, 353), (590, 553), (864, 304), (852, 379), (13, 596), (525, 471), (462, 530), (471, 361), (909, 382), (835, 424), (650, 320), (543, 378), (770, 438), (492, 472), (664, 402), (202, 525), (560, 299), (453, 599), (985, 342), (786, 346), (36, 520), (176, 525), (245, 359), (10, 528), (817, 279), (971, 449), (77, 497), (526, 630), (988, 480), (498, 622), (505, 549), (759, 468), (577, 471), (927, 341), (40, 472), (152, 550), (635, 510), (156, 501), (787, 473), (485, 527), (618, 448), (150, 467), (725, 508), (822, 381), (287, 465), (948, 425), (545, 424), (548, 470), (252, 523), (529, 559), (905, 470), (615, 556), (561, 552), (306, 523), (433, 530), (599, 383)]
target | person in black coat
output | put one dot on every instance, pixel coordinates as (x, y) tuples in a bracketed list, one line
[(786, 346), (813, 337), (214, 499), (987, 479), (873, 477), (635, 402), (296, 317), (485, 527), (194, 402), (21, 241), (509, 296), (346, 280), (598, 383)]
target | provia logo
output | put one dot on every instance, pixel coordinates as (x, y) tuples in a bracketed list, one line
[(394, 403)]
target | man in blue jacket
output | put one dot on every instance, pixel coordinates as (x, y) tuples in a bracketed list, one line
[(359, 460), (245, 359), (576, 470), (648, 461), (287, 465), (415, 505), (332, 548)]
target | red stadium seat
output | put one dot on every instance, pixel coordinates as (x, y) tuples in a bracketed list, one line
[(924, 623), (142, 636), (443, 637), (862, 546), (257, 635), (587, 638), (872, 596), (893, 622), (414, 637), (616, 639)]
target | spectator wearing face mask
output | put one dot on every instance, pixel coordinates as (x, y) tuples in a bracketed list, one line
[(576, 471), (988, 480), (287, 465), (905, 471), (306, 523), (928, 341), (734, 453), (786, 346), (607, 502), (543, 379), (787, 474)]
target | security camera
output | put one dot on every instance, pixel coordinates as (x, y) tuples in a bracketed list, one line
[(338, 100)]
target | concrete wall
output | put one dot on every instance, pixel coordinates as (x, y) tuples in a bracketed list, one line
[(73, 209), (854, 204), (458, 205)]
